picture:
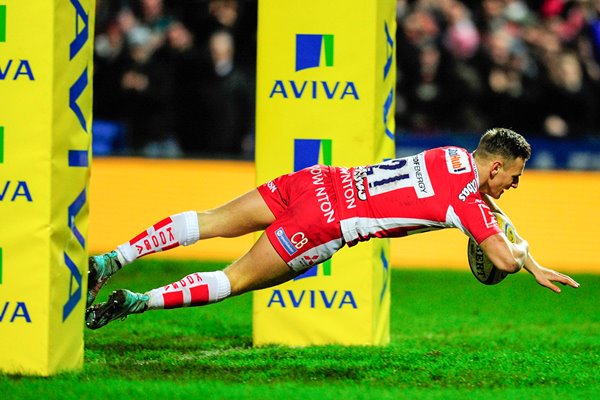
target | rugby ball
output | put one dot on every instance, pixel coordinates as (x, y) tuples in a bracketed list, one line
[(481, 266)]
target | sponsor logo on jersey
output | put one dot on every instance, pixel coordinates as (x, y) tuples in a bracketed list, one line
[(299, 239), (285, 241), (488, 216), (457, 161), (360, 173), (424, 188), (309, 153), (348, 188), (272, 186), (321, 194), (469, 188)]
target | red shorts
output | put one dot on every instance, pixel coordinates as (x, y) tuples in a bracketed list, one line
[(306, 230)]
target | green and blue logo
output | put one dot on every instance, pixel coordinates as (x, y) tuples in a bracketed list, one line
[(312, 49), (308, 152)]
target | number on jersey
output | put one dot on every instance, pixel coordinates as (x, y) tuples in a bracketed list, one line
[(400, 173)]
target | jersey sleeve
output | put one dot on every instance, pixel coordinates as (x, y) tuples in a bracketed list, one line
[(477, 220)]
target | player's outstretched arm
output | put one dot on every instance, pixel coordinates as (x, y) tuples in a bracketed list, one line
[(506, 256), (543, 276), (546, 276)]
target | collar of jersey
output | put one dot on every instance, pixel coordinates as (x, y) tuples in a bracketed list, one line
[(474, 165)]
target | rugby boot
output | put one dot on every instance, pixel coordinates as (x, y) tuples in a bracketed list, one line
[(100, 268), (120, 304)]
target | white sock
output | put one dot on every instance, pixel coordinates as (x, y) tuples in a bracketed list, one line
[(196, 289), (179, 229)]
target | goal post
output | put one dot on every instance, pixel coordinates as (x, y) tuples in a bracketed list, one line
[(46, 64), (325, 94)]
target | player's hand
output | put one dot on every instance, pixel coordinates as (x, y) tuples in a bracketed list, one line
[(546, 276)]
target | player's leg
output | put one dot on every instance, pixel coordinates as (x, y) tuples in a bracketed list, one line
[(245, 214), (261, 267)]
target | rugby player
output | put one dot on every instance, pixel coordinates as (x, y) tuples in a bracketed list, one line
[(310, 214)]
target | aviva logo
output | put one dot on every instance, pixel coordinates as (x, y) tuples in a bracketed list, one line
[(308, 152), (314, 51), (310, 49)]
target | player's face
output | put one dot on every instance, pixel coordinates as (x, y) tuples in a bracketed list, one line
[(505, 175)]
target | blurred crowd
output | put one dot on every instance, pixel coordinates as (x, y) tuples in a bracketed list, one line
[(177, 77), (530, 65)]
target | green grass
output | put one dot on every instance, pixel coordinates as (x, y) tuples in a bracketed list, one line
[(450, 338)]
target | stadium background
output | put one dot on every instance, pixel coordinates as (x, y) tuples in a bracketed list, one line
[(462, 66), (420, 344)]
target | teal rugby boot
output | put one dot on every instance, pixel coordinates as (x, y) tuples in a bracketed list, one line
[(100, 268), (120, 304)]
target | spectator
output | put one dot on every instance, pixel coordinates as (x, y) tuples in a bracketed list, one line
[(148, 98), (423, 76), (110, 57), (187, 70), (461, 37), (226, 100), (462, 40), (569, 105), (512, 93)]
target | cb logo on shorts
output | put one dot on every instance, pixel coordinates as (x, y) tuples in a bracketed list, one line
[(299, 239)]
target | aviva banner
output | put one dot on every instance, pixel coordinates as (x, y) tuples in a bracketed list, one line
[(45, 119), (325, 94)]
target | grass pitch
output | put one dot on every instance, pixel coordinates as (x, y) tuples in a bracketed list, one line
[(451, 337)]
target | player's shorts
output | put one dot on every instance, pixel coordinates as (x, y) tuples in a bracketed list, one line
[(306, 230)]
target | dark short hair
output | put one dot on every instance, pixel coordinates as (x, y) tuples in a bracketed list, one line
[(503, 142)]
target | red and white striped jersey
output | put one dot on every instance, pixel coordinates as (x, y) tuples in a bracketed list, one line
[(436, 189)]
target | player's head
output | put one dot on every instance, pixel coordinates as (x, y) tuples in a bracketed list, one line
[(501, 154), (505, 143)]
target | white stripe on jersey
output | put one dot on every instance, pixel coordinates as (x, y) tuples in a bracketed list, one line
[(455, 222), (353, 228)]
